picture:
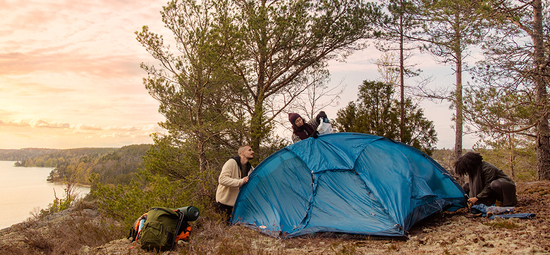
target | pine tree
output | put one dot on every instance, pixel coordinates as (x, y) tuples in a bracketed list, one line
[(516, 70), (376, 112), (449, 28)]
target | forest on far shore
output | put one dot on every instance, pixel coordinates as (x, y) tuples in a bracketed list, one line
[(113, 165)]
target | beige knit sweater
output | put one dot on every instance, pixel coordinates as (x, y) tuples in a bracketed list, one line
[(230, 181)]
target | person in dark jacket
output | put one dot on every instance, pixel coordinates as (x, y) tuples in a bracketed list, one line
[(487, 183), (301, 129)]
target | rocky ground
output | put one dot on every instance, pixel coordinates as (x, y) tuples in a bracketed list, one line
[(443, 233)]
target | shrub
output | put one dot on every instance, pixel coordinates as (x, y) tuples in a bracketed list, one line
[(59, 204), (129, 202)]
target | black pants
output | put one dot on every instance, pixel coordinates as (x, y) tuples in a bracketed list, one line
[(501, 189), (226, 210)]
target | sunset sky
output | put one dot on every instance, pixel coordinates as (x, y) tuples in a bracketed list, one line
[(70, 75)]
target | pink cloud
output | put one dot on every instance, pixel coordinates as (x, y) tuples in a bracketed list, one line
[(16, 123), (88, 127), (17, 63), (45, 124)]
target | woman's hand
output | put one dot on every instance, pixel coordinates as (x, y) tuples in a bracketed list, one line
[(321, 114)]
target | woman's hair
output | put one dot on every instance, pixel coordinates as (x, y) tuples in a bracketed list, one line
[(468, 163)]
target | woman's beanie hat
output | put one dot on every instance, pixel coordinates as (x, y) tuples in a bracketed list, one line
[(292, 117)]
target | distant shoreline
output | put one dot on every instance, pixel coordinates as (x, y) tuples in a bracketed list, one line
[(29, 192), (77, 184), (55, 181)]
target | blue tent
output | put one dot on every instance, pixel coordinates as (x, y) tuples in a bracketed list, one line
[(348, 183)]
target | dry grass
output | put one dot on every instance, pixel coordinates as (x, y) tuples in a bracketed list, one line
[(503, 223), (62, 233), (82, 231), (442, 233)]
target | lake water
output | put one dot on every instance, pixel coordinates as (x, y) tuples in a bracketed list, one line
[(25, 190)]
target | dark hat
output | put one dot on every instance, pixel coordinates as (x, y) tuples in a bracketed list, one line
[(292, 117)]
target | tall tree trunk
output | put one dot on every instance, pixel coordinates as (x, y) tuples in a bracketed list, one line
[(458, 92), (541, 96), (201, 150), (257, 125), (401, 76), (458, 117), (458, 99), (512, 154)]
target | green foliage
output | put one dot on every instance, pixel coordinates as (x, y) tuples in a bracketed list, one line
[(196, 90), (282, 43), (449, 29), (271, 145), (375, 112), (450, 26), (502, 105), (128, 202), (514, 68), (55, 158), (60, 204), (216, 92), (517, 161), (115, 165), (445, 157), (236, 57), (167, 159), (498, 112), (23, 154), (399, 37)]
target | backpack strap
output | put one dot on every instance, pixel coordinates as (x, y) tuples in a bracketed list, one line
[(164, 209)]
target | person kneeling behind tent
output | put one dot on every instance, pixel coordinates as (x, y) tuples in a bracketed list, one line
[(487, 183), (234, 174), (301, 129)]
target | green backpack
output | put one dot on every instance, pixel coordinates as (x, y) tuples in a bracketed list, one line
[(159, 229)]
